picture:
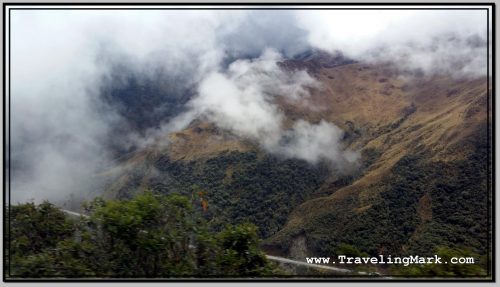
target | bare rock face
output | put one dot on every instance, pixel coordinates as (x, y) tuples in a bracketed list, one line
[(298, 248)]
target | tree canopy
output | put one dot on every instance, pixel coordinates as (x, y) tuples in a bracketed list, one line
[(149, 236)]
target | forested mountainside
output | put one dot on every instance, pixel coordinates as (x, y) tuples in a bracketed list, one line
[(421, 182)]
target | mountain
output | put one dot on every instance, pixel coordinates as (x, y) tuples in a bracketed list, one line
[(422, 180)]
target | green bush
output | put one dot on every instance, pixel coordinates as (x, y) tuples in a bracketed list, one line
[(151, 235)]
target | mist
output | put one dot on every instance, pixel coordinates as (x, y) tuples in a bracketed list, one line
[(71, 70), (242, 101), (432, 41)]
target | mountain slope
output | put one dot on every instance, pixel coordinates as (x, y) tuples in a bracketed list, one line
[(421, 182), (431, 138)]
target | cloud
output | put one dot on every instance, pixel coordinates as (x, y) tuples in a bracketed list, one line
[(242, 100), (434, 41), (67, 63), (317, 142)]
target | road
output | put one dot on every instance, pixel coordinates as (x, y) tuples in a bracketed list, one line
[(335, 269), (69, 212), (302, 263)]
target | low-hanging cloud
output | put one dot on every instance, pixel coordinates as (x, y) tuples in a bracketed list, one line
[(67, 63), (64, 61), (242, 100), (450, 42)]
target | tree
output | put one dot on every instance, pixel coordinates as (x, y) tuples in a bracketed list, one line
[(239, 254), (148, 236)]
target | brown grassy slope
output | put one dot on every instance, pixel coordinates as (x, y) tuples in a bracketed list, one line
[(203, 140), (198, 142), (397, 117)]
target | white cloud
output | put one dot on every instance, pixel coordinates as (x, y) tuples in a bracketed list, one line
[(316, 142), (436, 41), (242, 100)]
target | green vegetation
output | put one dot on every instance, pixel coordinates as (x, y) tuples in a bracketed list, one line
[(151, 236), (349, 250), (238, 187), (421, 205)]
